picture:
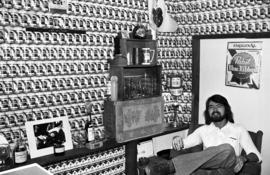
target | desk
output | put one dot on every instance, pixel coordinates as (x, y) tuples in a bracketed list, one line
[(120, 158), (34, 169), (131, 149), (110, 158)]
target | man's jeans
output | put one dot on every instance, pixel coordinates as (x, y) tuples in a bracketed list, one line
[(217, 160)]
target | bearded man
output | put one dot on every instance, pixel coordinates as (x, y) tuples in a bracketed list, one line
[(222, 140)]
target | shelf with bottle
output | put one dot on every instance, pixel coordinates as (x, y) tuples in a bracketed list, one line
[(94, 132), (137, 52)]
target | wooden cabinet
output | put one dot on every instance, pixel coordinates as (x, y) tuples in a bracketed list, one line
[(138, 112), (139, 76), (139, 109)]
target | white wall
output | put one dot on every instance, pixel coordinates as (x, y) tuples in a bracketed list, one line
[(251, 107), (165, 141)]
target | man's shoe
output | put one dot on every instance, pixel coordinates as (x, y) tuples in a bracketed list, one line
[(159, 166)]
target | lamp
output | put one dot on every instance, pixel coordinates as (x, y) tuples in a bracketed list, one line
[(174, 84)]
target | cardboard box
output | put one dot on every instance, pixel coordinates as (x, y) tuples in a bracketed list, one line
[(133, 119)]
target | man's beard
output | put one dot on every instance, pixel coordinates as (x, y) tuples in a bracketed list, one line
[(216, 117)]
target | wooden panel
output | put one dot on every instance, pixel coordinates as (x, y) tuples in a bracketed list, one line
[(134, 119)]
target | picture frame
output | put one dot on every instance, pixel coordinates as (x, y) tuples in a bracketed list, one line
[(39, 138)]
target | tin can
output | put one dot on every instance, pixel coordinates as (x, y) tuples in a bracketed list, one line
[(248, 14), (237, 28), (255, 13), (10, 53), (265, 26), (12, 37), (251, 27), (258, 27), (237, 3)]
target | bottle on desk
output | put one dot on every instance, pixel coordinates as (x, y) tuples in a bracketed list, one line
[(58, 149), (20, 152), (89, 129), (93, 140)]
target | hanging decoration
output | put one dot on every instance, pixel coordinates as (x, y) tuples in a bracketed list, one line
[(159, 19)]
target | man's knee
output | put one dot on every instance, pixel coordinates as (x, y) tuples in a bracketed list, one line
[(228, 154), (227, 149)]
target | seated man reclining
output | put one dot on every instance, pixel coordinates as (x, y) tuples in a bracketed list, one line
[(222, 140)]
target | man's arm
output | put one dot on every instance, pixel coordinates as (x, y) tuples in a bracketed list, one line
[(252, 167), (253, 155), (191, 140)]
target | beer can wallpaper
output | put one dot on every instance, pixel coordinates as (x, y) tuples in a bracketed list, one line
[(243, 64)]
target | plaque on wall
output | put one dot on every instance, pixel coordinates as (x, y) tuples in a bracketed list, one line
[(243, 64)]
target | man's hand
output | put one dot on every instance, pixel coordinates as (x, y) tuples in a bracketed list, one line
[(177, 143), (240, 161)]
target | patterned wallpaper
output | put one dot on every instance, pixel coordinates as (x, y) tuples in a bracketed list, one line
[(51, 64), (203, 17)]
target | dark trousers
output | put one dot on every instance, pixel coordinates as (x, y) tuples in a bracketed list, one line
[(217, 160)]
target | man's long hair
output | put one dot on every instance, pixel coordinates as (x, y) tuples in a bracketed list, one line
[(221, 100)]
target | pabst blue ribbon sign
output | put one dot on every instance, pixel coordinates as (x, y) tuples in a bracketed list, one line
[(243, 64)]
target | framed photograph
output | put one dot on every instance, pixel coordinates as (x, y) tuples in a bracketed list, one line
[(43, 134)]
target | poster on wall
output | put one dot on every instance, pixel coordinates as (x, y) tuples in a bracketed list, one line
[(243, 64)]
